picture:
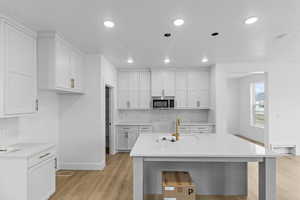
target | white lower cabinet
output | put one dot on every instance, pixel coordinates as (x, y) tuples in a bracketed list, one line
[(29, 175), (41, 180), (127, 136), (196, 129)]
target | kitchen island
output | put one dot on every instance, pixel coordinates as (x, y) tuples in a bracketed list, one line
[(217, 163)]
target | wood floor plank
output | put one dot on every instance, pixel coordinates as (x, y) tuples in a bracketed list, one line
[(115, 182)]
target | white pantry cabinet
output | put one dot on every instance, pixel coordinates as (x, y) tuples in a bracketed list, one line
[(133, 89), (60, 64), (18, 69), (163, 83), (192, 89)]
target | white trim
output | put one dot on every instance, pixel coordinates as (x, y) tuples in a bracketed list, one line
[(82, 165)]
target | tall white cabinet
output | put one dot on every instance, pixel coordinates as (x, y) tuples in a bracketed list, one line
[(163, 83), (18, 69), (60, 64), (134, 89), (192, 89)]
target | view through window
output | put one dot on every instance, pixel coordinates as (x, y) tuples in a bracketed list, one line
[(258, 104)]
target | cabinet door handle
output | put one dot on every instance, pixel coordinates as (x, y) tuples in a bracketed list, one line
[(163, 92), (45, 155), (128, 104), (72, 82), (198, 103)]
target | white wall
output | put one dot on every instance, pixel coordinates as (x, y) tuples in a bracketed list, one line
[(246, 129), (233, 106), (283, 89), (284, 103), (82, 129)]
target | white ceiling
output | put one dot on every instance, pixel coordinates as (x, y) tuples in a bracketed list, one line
[(140, 25)]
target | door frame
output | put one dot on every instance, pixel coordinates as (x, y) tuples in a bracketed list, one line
[(111, 118)]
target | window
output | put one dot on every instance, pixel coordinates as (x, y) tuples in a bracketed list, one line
[(258, 104)]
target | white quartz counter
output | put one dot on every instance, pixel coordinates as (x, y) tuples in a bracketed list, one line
[(25, 150), (200, 145)]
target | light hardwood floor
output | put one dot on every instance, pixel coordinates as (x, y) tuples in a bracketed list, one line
[(115, 182)]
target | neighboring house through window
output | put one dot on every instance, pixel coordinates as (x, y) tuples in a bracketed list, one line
[(257, 91)]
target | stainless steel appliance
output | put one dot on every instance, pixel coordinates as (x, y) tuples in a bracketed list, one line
[(163, 103)]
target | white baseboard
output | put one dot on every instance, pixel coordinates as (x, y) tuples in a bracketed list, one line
[(82, 166)]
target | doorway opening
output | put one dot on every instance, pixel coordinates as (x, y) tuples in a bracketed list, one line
[(108, 120)]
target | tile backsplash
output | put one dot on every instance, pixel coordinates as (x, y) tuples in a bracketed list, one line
[(8, 131), (162, 118)]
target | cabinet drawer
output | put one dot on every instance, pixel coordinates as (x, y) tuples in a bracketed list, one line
[(146, 129), (184, 130), (128, 129), (201, 129), (40, 157)]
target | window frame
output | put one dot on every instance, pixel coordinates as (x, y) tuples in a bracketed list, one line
[(253, 105)]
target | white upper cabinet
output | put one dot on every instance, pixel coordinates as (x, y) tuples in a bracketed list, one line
[(134, 89), (163, 83), (18, 69), (60, 64), (192, 89)]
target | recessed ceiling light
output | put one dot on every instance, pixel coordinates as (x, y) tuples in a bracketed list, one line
[(178, 22), (130, 60), (215, 34), (167, 35), (251, 20), (167, 60), (109, 24), (204, 60)]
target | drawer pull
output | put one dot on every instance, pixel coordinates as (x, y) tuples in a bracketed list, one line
[(45, 155)]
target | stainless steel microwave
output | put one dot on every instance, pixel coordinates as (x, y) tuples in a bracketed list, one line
[(158, 103)]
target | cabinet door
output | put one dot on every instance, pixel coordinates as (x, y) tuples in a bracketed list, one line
[(198, 89), (20, 59), (123, 99), (181, 89), (76, 62), (169, 83), (123, 90), (157, 83), (41, 180), (62, 67), (134, 90), (132, 137), (144, 90), (123, 141)]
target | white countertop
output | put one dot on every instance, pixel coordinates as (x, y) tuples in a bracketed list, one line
[(25, 150), (200, 145), (128, 123), (197, 123)]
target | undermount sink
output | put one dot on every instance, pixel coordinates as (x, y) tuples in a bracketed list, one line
[(172, 139)]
